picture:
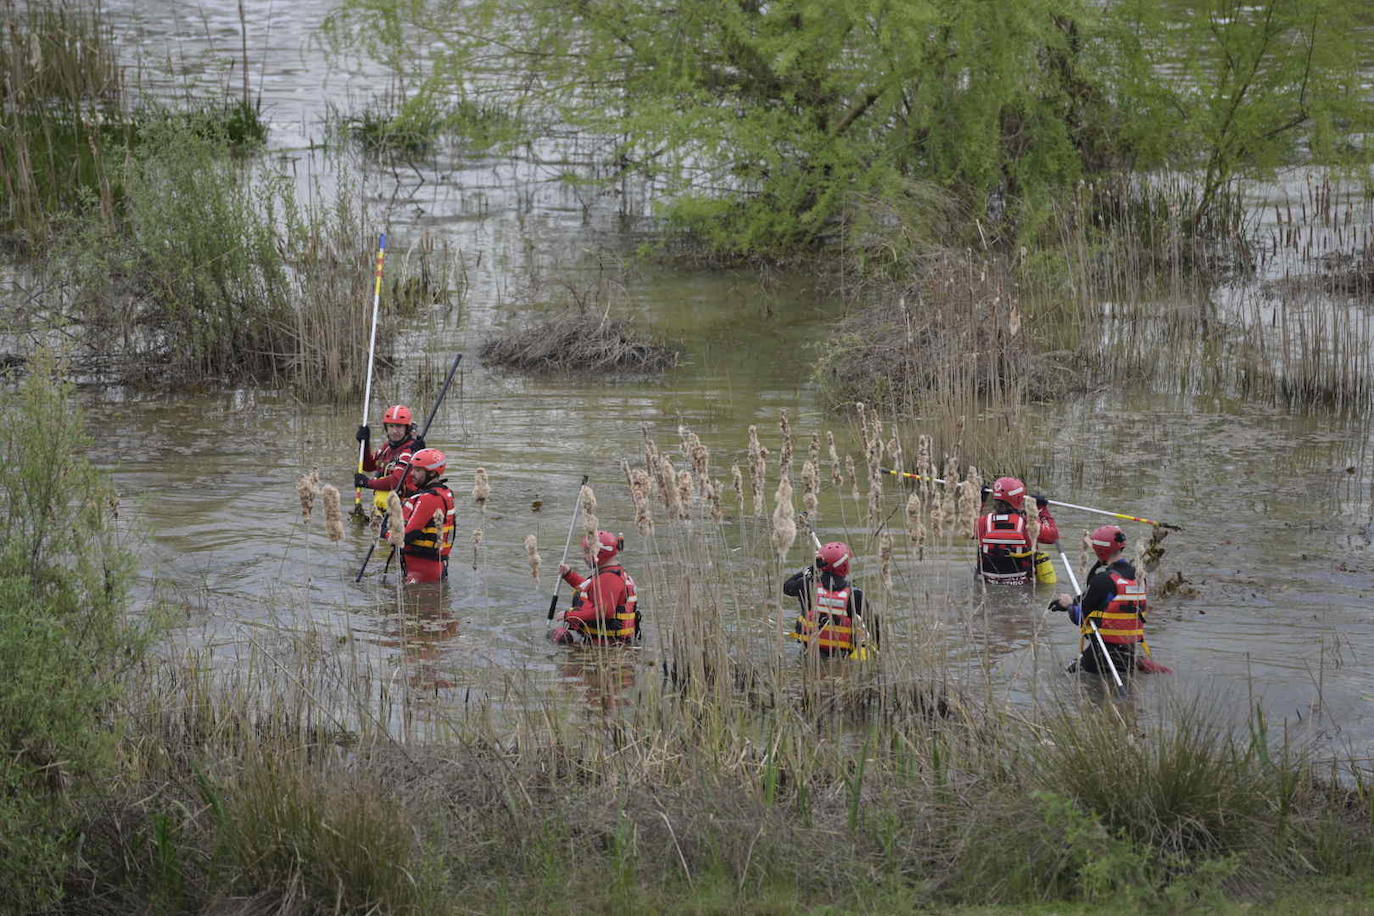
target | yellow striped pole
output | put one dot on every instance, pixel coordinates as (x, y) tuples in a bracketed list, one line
[(371, 353), (1055, 502)]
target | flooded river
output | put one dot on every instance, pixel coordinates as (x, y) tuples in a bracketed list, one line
[(1275, 507)]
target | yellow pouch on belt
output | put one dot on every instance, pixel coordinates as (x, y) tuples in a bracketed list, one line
[(1044, 569), (379, 499)]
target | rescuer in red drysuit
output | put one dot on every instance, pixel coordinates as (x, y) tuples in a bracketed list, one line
[(1116, 602), (1004, 550), (388, 462), (832, 619), (605, 608), (429, 517)]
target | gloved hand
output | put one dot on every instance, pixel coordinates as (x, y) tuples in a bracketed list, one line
[(1041, 502), (360, 480), (1055, 605), (364, 433)]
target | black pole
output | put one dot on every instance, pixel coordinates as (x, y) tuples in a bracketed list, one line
[(442, 393)]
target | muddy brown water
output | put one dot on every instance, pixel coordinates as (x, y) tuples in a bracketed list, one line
[(1276, 507)]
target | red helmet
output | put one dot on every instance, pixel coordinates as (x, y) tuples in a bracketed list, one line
[(1107, 542), (1009, 490), (398, 413), (834, 558), (608, 545), (431, 459)]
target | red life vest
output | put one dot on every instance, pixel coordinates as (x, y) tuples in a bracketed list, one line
[(623, 624), (433, 544), (828, 623), (1004, 553), (1122, 621)]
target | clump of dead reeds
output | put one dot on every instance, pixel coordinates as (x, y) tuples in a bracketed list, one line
[(569, 342)]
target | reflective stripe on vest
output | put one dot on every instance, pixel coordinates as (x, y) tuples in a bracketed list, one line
[(827, 624), (1122, 621)]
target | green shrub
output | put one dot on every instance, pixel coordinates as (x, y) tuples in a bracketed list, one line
[(64, 642)]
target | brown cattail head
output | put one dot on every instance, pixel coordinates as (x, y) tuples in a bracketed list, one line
[(784, 519), (333, 516), (737, 484), (640, 484), (395, 521), (925, 467), (894, 451), (811, 486), (968, 502), (307, 488), (477, 537), (700, 456), (1032, 527), (758, 454), (875, 500), (915, 520), (684, 494), (532, 554), (834, 457), (785, 457), (481, 488), (813, 451), (667, 487), (712, 497), (590, 523), (853, 478)]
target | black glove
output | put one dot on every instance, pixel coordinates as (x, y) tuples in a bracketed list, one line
[(364, 433), (1056, 606), (1041, 502), (360, 480)]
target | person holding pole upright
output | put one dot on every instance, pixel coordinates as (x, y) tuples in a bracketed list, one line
[(1110, 615), (388, 464), (358, 511)]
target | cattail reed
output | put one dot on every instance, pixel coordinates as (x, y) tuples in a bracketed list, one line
[(811, 486), (590, 523), (481, 488), (853, 478), (712, 497), (758, 466), (532, 554), (1084, 551), (784, 519), (1032, 529), (915, 520), (737, 484), (640, 483), (894, 451), (925, 467), (333, 515), (668, 487), (307, 488), (684, 494), (813, 451), (395, 521), (885, 558), (969, 503), (700, 457), (785, 457), (836, 478), (875, 500)]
